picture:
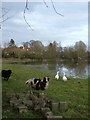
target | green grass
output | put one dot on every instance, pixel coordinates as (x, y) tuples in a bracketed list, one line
[(74, 92)]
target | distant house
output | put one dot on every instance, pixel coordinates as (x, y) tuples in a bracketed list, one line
[(24, 49)]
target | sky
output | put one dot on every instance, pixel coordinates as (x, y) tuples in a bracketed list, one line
[(46, 24)]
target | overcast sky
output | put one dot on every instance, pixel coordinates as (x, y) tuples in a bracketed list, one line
[(48, 26)]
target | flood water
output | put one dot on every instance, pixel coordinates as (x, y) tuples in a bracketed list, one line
[(79, 70)]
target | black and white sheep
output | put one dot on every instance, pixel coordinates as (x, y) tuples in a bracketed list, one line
[(38, 84)]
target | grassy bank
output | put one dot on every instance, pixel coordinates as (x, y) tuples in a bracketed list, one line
[(74, 92)]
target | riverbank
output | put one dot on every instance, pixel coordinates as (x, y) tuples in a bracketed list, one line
[(74, 92), (17, 60)]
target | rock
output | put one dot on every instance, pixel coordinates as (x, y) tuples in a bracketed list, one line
[(28, 103), (21, 95), (49, 101), (41, 103), (37, 108), (13, 102), (54, 107), (54, 117), (13, 99), (49, 113), (10, 96), (46, 99), (35, 100), (63, 106), (22, 108), (17, 95), (42, 96), (36, 94), (28, 96), (45, 110), (32, 97), (20, 100)]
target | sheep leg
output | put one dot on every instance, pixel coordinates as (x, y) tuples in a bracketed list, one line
[(7, 78), (31, 89)]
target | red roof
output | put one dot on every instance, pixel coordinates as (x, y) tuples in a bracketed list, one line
[(25, 49)]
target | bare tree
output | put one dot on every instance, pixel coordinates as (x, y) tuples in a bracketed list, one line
[(5, 11), (45, 3), (3, 16), (26, 44), (56, 10), (24, 15), (26, 8)]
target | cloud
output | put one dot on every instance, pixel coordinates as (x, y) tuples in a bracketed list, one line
[(47, 25)]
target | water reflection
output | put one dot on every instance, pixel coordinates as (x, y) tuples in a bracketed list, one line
[(79, 71), (71, 69)]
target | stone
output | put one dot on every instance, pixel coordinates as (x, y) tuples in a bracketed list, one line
[(36, 93), (42, 103), (54, 117), (55, 107), (46, 99), (12, 102), (22, 108), (15, 104), (42, 96), (63, 106), (37, 108), (32, 96), (49, 113), (35, 100), (45, 110), (28, 96), (49, 101), (13, 99), (21, 95), (9, 96), (17, 95), (20, 100), (28, 103)]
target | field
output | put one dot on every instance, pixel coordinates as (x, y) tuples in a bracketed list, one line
[(74, 92)]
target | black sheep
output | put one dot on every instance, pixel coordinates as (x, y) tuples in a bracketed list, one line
[(6, 74)]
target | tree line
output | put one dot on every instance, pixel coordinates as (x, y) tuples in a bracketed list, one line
[(36, 50)]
